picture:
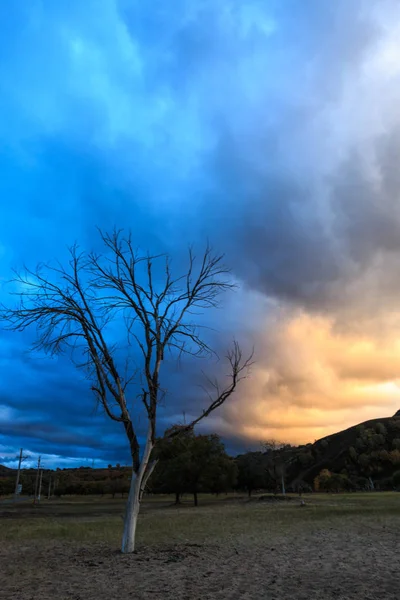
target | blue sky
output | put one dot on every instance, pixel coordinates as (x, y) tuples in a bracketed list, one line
[(271, 128)]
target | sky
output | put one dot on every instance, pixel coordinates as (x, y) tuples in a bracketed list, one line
[(269, 127)]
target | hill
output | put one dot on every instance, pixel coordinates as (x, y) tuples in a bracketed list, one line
[(5, 471), (368, 450)]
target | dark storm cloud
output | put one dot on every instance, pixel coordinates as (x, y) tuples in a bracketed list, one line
[(277, 241), (367, 203)]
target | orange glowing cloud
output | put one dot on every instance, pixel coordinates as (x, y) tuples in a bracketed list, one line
[(311, 380)]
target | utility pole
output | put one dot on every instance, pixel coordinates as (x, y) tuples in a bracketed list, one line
[(21, 459), (37, 481), (40, 483)]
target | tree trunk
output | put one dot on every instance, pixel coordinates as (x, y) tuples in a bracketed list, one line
[(249, 492), (283, 485), (177, 498), (134, 498), (196, 501), (131, 515)]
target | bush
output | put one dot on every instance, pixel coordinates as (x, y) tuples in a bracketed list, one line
[(332, 482)]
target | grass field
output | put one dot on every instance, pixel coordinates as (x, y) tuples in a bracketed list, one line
[(337, 546)]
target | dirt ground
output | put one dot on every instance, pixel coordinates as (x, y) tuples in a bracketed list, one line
[(353, 562)]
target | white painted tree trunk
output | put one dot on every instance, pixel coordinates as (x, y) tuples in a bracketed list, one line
[(134, 498), (131, 515), (283, 484)]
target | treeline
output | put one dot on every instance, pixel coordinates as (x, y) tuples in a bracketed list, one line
[(82, 481), (187, 464)]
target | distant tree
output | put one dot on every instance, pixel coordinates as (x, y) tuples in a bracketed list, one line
[(207, 465), (116, 485), (252, 472), (276, 462), (327, 481), (377, 440), (194, 463), (353, 453), (321, 481), (222, 475), (99, 488), (380, 428), (305, 458), (74, 308), (394, 457), (169, 474)]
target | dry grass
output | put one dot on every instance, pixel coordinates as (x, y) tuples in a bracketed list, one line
[(340, 547), (84, 520)]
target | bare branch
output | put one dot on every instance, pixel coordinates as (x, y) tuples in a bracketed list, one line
[(65, 310), (239, 370), (72, 309)]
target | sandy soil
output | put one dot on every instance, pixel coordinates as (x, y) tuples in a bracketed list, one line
[(357, 563)]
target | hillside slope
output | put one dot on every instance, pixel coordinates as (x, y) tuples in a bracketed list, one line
[(370, 449)]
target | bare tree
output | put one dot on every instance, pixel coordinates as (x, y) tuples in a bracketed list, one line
[(277, 461), (74, 309)]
